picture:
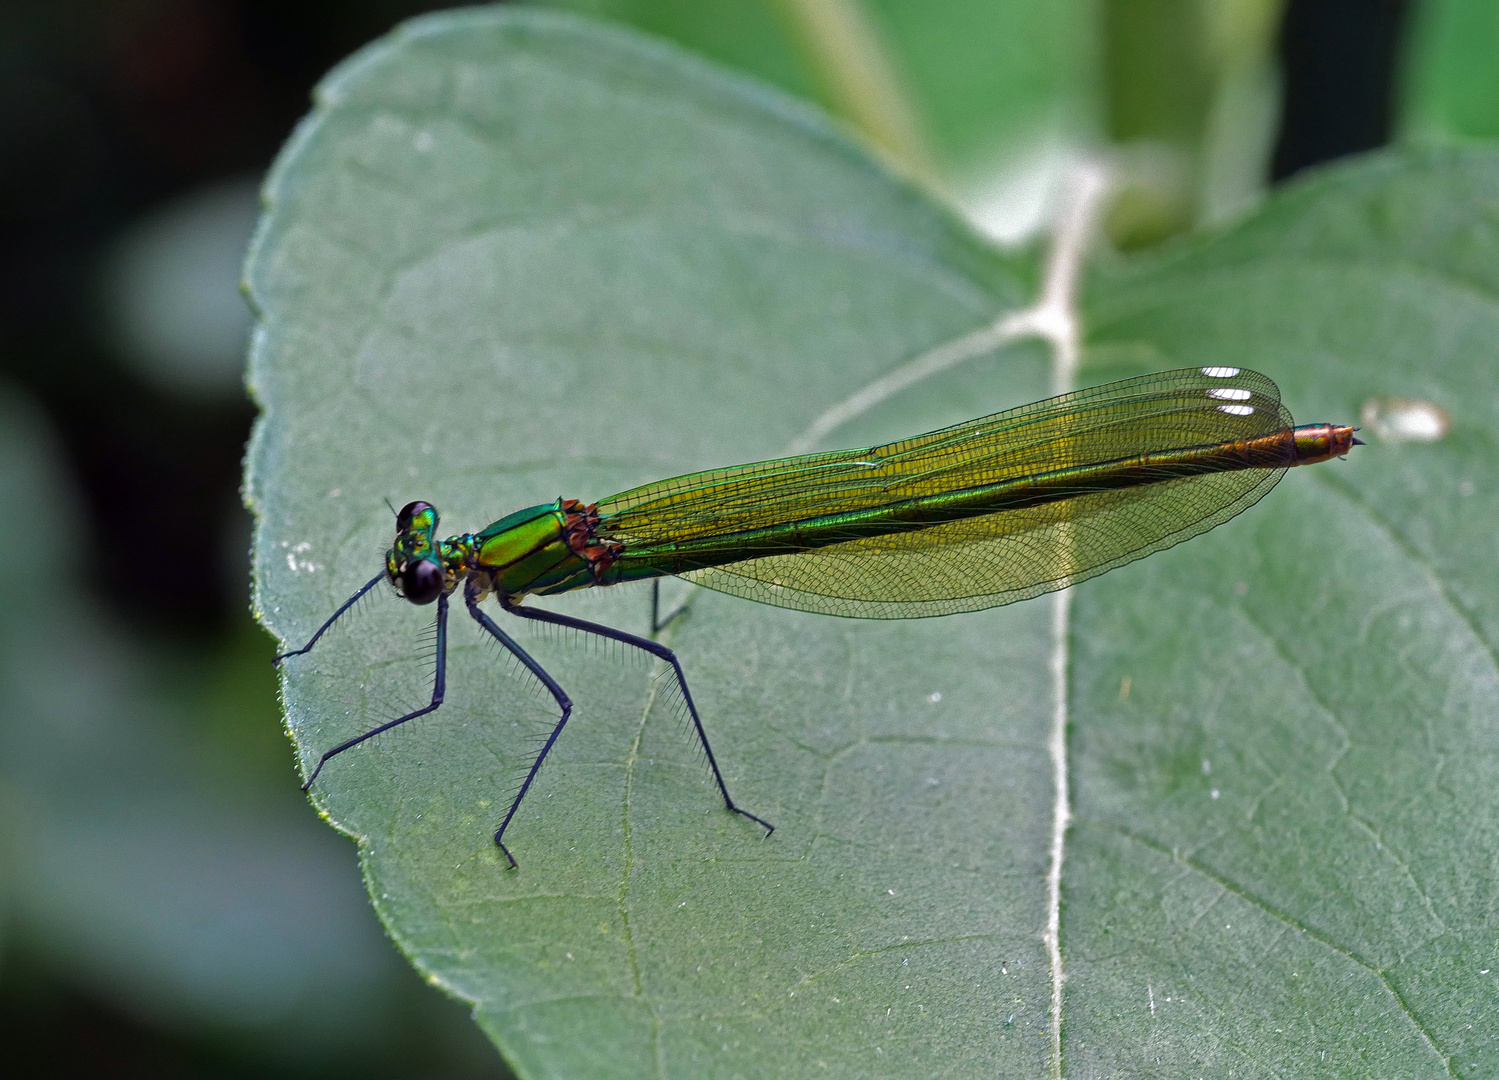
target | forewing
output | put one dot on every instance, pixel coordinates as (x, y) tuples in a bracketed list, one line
[(982, 561)]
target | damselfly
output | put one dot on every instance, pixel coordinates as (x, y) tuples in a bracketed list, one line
[(985, 513)]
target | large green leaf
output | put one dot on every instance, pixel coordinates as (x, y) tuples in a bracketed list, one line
[(513, 256), (1285, 825)]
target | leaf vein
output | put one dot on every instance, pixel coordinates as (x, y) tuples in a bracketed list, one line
[(1176, 856)]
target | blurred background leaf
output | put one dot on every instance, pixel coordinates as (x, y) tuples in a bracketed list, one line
[(992, 100), (1451, 77), (133, 135), (154, 855)]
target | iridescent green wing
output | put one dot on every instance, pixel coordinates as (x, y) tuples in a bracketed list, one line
[(983, 561)]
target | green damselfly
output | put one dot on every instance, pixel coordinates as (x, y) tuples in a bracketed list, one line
[(985, 513)]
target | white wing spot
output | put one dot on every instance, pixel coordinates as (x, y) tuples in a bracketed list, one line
[(1220, 372), (1236, 410), (1230, 393)]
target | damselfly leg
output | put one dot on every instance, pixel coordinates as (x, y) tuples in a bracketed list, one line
[(439, 684), (655, 648), (659, 624), (471, 598), (321, 630)]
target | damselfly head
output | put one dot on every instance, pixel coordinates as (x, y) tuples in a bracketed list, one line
[(416, 513), (412, 564)]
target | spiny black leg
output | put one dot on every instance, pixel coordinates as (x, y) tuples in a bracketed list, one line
[(655, 648), (659, 624), (438, 685), (347, 604), (471, 598)]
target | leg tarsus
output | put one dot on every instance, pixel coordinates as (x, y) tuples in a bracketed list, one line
[(760, 821), (567, 711), (506, 852)]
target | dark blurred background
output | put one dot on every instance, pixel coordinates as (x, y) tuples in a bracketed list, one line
[(171, 906)]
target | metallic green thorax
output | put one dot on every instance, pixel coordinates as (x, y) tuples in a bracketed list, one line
[(541, 549), (529, 551)]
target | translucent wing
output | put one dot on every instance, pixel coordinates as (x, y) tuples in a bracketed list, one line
[(982, 561)]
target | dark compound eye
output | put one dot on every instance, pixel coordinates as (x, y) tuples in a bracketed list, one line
[(409, 511), (422, 582)]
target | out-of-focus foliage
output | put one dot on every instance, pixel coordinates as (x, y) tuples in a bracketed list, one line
[(984, 77), (1004, 94), (1190, 101), (1451, 77), (152, 843)]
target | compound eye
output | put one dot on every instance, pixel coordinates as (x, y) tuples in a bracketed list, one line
[(422, 582), (409, 511)]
